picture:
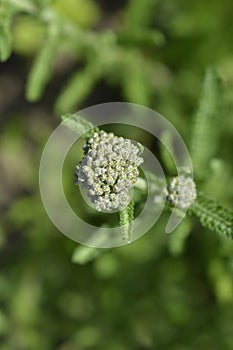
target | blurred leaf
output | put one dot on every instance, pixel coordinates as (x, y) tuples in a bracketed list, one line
[(207, 125), (82, 12), (222, 281), (178, 237), (144, 38), (26, 5), (42, 68), (76, 90), (135, 80), (25, 30), (167, 139), (139, 13), (221, 175), (5, 29), (83, 254), (25, 303)]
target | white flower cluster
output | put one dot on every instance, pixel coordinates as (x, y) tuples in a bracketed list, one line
[(108, 170), (181, 191)]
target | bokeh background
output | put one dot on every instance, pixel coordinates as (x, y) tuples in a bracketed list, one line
[(163, 291)]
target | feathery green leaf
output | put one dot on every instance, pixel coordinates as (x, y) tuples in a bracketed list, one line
[(126, 217), (212, 215)]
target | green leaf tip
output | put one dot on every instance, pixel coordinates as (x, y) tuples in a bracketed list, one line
[(206, 124), (41, 70), (83, 254)]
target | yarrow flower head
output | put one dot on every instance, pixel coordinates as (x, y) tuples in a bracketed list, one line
[(109, 170), (181, 191)]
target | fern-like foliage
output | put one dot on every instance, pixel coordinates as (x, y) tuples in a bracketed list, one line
[(126, 217), (204, 138), (212, 215)]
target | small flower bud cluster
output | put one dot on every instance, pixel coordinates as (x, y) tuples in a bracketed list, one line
[(108, 170), (181, 191)]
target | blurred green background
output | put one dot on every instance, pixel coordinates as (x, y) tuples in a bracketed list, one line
[(163, 291)]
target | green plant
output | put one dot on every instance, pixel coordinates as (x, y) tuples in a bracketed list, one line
[(102, 52), (162, 291), (181, 190)]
